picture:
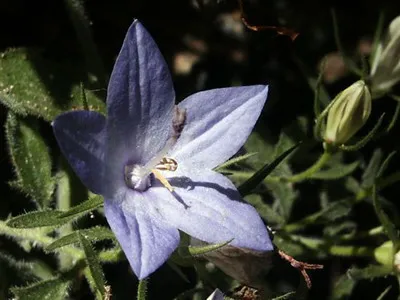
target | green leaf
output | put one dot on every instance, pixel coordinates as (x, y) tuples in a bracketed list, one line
[(269, 214), (96, 273), (336, 172), (112, 255), (84, 208), (257, 144), (284, 193), (388, 226), (54, 289), (235, 160), (142, 290), (384, 254), (31, 82), (31, 159), (259, 176), (38, 219), (93, 234), (372, 271), (332, 212), (364, 140), (369, 176), (201, 250), (11, 270), (55, 217), (385, 164), (343, 288), (340, 227)]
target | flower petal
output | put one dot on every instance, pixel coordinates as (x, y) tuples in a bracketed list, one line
[(140, 99), (147, 241), (208, 207), (81, 137), (216, 295), (218, 123)]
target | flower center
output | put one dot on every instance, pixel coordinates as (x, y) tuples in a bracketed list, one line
[(138, 177)]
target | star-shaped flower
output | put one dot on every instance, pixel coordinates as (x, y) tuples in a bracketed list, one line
[(153, 161)]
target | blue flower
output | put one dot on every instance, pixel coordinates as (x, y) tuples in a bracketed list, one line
[(216, 295), (153, 160)]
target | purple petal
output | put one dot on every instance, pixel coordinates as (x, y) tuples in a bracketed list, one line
[(207, 206), (216, 295), (81, 137), (147, 241), (140, 99), (218, 124)]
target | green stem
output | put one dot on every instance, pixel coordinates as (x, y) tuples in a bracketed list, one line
[(311, 170), (63, 202), (142, 289)]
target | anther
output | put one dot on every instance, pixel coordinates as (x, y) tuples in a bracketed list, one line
[(167, 164), (178, 121)]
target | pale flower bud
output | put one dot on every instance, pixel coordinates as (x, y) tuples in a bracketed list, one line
[(385, 69), (349, 112)]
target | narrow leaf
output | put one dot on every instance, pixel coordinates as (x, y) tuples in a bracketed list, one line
[(388, 226), (31, 159), (85, 207), (369, 176), (343, 288), (259, 176), (54, 289), (55, 217), (11, 269), (394, 117), (372, 271), (385, 164), (361, 143), (200, 250), (235, 160), (93, 263), (93, 234), (112, 255), (265, 210), (38, 219)]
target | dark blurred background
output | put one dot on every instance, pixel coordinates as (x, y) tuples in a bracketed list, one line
[(207, 46)]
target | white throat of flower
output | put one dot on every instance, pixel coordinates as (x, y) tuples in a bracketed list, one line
[(138, 177)]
